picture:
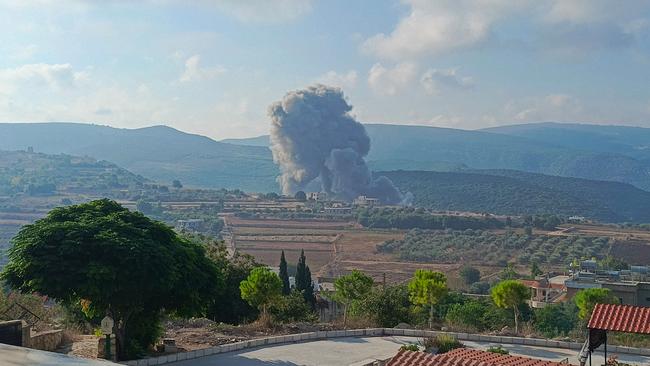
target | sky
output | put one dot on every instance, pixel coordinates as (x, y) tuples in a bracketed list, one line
[(214, 67)]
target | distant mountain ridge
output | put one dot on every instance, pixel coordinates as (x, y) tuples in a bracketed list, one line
[(612, 153), (159, 152)]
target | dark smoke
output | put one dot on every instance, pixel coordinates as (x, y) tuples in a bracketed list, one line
[(314, 137)]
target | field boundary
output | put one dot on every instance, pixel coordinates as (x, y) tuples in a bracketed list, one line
[(371, 332)]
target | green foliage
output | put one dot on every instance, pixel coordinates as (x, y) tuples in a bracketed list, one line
[(284, 275), (443, 343), (292, 308), (586, 300), (426, 288), (410, 347), (261, 288), (535, 270), (228, 307), (470, 314), (117, 261), (300, 196), (509, 192), (303, 280), (387, 306), (479, 288), (498, 350), (510, 294), (351, 287), (477, 246), (177, 184), (613, 264), (556, 319), (470, 275), (410, 218)]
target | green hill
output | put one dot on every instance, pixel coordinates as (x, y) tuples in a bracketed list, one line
[(29, 173), (518, 193), (160, 153)]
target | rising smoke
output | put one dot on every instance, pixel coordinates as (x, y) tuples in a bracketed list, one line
[(314, 137)]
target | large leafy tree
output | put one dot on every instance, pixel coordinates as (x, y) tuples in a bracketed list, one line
[(229, 307), (284, 275), (588, 298), (261, 288), (426, 288), (351, 287), (115, 261), (510, 294)]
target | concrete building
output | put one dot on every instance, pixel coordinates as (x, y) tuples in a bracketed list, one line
[(545, 290), (365, 201), (317, 196), (189, 225)]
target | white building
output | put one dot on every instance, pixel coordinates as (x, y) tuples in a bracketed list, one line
[(365, 201)]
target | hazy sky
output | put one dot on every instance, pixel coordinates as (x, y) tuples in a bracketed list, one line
[(214, 67)]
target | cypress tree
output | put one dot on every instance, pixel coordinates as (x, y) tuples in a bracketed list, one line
[(284, 275), (303, 280)]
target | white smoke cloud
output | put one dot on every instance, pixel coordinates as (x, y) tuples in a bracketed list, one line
[(314, 137), (195, 72), (390, 81), (434, 80)]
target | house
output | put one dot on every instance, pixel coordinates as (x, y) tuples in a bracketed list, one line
[(189, 225), (365, 201), (631, 287), (545, 290), (317, 196)]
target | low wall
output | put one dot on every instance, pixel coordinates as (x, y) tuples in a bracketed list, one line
[(46, 341), (371, 332)]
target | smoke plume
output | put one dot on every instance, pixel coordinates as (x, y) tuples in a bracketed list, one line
[(314, 137)]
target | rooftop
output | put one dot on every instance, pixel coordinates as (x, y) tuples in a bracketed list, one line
[(465, 357), (620, 318)]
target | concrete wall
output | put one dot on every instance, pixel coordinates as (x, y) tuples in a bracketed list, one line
[(371, 332), (46, 341)]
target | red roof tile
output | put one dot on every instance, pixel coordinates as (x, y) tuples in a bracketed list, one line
[(620, 318), (465, 357)]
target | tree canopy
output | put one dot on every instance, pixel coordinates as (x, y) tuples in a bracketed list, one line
[(510, 294), (116, 261), (351, 287), (261, 288), (586, 300), (426, 288)]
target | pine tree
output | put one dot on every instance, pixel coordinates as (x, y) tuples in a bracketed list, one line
[(284, 275)]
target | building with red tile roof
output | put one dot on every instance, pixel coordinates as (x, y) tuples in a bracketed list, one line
[(620, 318), (465, 357)]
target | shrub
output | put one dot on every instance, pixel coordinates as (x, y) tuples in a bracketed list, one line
[(410, 347), (443, 343), (498, 349)]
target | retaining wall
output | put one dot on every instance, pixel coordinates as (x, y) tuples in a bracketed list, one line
[(46, 341), (371, 332)]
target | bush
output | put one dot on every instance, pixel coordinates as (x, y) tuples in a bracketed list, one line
[(498, 349), (555, 320), (410, 347), (470, 314), (292, 308), (386, 306), (443, 343)]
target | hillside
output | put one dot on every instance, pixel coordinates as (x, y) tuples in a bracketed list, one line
[(517, 193), (160, 153), (41, 174), (433, 148), (163, 154)]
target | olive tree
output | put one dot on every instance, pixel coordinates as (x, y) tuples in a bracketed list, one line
[(111, 260), (588, 298)]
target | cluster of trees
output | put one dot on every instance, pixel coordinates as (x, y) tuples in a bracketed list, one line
[(489, 247), (410, 218)]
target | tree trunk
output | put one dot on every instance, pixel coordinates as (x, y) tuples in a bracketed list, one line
[(516, 311), (345, 316), (431, 316)]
